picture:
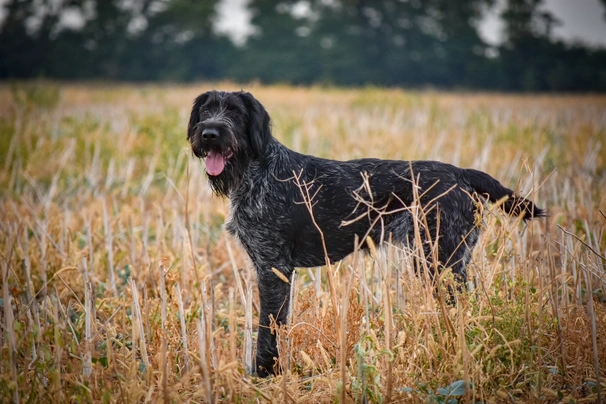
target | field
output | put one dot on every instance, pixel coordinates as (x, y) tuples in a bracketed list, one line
[(119, 284)]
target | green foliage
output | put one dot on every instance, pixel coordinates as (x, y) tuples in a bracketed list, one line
[(388, 43), (450, 394), (44, 96), (124, 274), (367, 384)]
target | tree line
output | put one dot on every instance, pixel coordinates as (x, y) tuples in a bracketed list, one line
[(410, 43)]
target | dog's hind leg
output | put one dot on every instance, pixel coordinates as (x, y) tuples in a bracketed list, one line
[(454, 235), (454, 251), (274, 296)]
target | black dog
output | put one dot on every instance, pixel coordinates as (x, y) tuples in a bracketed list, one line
[(265, 183)]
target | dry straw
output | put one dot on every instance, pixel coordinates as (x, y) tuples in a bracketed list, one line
[(119, 285)]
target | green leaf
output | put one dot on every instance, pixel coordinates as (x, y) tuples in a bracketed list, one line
[(107, 396), (457, 388), (444, 391)]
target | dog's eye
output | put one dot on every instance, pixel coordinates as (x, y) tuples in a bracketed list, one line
[(205, 113)]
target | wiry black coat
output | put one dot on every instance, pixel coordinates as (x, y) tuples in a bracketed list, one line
[(272, 222)]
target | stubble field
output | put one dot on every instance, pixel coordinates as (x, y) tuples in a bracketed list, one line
[(119, 285)]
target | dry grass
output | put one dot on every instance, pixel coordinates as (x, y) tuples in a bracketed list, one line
[(119, 285)]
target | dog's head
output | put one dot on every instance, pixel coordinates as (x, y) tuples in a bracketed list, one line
[(228, 130)]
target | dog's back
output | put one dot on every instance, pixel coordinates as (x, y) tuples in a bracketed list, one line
[(375, 198)]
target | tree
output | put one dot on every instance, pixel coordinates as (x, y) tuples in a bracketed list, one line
[(24, 52), (118, 40), (410, 43), (393, 42), (530, 60), (279, 50), (182, 43)]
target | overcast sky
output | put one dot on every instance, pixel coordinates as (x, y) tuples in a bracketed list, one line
[(581, 20)]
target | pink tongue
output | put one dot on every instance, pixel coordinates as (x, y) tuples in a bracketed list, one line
[(214, 163)]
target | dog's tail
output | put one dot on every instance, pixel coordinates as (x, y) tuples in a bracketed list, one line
[(513, 204)]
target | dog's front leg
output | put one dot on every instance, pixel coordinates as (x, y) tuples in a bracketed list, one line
[(274, 295)]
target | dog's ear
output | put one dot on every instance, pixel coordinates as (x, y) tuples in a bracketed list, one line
[(259, 123), (194, 118)]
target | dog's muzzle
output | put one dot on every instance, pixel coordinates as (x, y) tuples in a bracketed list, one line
[(212, 144)]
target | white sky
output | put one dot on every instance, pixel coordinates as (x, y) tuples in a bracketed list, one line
[(580, 20), (234, 20)]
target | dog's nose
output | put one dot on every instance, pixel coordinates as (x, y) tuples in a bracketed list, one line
[(210, 134)]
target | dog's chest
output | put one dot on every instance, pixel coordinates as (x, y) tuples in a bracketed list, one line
[(244, 218), (256, 220), (248, 208)]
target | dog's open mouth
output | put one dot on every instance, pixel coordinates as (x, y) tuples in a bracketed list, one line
[(215, 162)]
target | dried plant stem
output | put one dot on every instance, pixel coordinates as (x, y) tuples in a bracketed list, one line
[(464, 350), (555, 300), (582, 242), (87, 367), (189, 238), (9, 330), (388, 326), (43, 250), (291, 305), (594, 341), (207, 318), (184, 330), (318, 281), (234, 268), (58, 347), (91, 250), (365, 292), (343, 333), (248, 363), (232, 326), (138, 329), (110, 253), (30, 298), (164, 367), (203, 361), (162, 298)]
